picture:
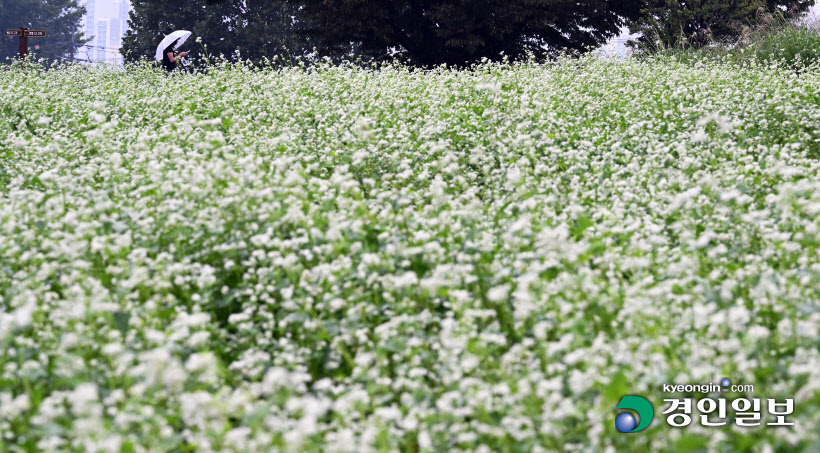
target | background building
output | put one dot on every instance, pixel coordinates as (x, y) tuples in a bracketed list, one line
[(106, 21)]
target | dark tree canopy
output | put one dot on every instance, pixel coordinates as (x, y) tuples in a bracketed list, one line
[(59, 18), (463, 31), (256, 29), (430, 32), (696, 22)]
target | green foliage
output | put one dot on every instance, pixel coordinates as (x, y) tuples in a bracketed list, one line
[(774, 40), (694, 23), (59, 18), (795, 44)]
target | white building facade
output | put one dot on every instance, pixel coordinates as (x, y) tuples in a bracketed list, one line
[(106, 22)]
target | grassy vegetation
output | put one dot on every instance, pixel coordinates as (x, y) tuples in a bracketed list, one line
[(348, 259), (796, 44), (773, 40)]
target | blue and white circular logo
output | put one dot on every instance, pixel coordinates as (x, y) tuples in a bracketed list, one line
[(625, 422)]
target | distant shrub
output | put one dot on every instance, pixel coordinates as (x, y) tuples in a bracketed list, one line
[(794, 43), (773, 38)]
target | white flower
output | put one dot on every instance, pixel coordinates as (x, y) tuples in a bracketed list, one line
[(95, 117), (406, 279), (498, 293), (348, 258), (514, 176)]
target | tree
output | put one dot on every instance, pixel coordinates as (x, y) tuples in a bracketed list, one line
[(150, 20), (59, 18), (429, 32), (268, 28), (697, 22), (256, 29)]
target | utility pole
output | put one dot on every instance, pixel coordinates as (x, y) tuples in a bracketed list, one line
[(73, 32)]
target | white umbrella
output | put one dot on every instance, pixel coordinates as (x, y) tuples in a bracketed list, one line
[(182, 35)]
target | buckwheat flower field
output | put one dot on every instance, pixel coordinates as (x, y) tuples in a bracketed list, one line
[(345, 259)]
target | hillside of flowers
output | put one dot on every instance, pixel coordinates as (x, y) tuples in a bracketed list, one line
[(337, 258)]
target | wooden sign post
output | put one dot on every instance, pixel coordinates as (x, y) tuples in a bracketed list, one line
[(24, 33)]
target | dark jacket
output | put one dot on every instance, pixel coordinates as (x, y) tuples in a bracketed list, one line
[(167, 63)]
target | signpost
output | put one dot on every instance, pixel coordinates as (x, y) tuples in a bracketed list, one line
[(24, 33)]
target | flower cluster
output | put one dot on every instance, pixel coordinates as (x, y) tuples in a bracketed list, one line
[(387, 259)]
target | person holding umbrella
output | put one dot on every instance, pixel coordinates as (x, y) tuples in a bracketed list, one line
[(169, 61), (165, 50)]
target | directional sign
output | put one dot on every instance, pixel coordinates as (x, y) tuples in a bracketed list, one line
[(23, 33)]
